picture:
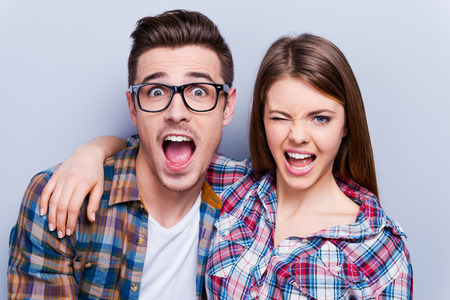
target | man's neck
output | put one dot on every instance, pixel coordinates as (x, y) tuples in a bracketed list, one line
[(166, 206)]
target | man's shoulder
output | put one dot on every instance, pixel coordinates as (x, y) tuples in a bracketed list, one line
[(125, 155), (222, 164), (124, 160), (45, 174), (35, 187), (224, 171)]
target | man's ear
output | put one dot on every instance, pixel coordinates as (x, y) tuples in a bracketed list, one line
[(229, 107), (131, 108)]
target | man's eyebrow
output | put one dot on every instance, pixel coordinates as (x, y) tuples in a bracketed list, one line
[(200, 75), (154, 76)]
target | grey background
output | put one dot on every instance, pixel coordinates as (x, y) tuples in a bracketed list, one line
[(63, 78)]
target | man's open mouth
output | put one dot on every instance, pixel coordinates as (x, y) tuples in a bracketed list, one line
[(178, 149), (299, 161)]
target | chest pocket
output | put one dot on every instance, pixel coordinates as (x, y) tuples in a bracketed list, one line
[(326, 274), (97, 276), (330, 274), (230, 244)]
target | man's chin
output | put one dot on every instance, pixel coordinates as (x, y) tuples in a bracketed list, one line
[(180, 184)]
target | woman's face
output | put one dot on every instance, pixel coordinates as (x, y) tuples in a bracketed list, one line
[(304, 129)]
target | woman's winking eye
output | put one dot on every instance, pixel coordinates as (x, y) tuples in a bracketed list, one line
[(276, 115), (278, 118)]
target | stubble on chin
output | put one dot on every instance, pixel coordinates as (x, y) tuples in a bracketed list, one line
[(177, 182)]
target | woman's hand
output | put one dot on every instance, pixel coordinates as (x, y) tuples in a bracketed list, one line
[(78, 176)]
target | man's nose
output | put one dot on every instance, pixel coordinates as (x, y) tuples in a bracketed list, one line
[(177, 110)]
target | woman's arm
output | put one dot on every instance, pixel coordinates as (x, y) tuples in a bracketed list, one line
[(81, 174)]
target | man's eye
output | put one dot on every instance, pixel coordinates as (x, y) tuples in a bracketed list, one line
[(156, 92), (198, 92)]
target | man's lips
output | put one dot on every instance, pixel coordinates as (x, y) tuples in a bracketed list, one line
[(178, 149), (177, 138)]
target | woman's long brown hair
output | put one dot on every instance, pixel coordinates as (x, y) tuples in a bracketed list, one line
[(321, 64)]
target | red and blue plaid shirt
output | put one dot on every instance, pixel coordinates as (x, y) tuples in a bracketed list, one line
[(104, 259), (364, 260)]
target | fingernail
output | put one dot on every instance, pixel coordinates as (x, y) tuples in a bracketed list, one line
[(42, 211), (93, 216), (60, 234), (68, 232), (51, 227)]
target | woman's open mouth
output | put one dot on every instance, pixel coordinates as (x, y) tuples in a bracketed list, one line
[(299, 161)]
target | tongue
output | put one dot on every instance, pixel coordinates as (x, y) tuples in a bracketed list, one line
[(178, 153), (300, 163)]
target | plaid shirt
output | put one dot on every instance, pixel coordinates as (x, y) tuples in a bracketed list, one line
[(364, 260), (104, 259)]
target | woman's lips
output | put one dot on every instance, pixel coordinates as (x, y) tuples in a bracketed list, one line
[(299, 163)]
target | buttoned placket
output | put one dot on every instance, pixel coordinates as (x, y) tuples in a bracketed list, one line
[(281, 251), (267, 221), (140, 243)]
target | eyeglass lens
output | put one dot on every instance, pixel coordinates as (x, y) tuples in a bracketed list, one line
[(155, 97)]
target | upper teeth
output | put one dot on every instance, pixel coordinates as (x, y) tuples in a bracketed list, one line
[(177, 138), (298, 155)]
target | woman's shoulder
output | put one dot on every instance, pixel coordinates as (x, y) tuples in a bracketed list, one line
[(375, 245), (371, 266)]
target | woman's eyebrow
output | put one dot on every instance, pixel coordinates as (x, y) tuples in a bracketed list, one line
[(320, 111)]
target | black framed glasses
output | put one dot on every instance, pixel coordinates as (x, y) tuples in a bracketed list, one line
[(199, 97)]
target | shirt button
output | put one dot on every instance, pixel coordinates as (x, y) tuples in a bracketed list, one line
[(305, 241), (134, 288), (140, 241), (338, 268), (226, 232), (87, 265), (253, 294)]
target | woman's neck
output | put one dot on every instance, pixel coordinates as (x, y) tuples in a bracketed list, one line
[(302, 212), (323, 193)]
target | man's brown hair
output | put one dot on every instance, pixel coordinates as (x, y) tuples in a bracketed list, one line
[(178, 28)]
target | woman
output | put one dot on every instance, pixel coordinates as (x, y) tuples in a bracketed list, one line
[(306, 228)]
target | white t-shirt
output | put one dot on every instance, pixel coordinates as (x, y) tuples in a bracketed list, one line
[(170, 265)]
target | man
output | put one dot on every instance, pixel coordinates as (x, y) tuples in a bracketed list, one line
[(180, 76)]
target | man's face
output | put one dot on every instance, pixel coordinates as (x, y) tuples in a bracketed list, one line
[(178, 144)]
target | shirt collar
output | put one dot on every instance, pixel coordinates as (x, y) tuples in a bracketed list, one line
[(124, 185), (210, 197), (370, 220), (265, 190)]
